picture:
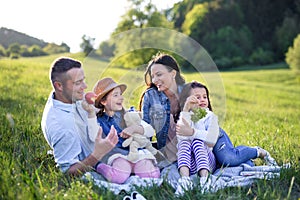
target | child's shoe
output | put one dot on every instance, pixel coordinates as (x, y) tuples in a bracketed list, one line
[(184, 183), (264, 154), (137, 196), (205, 184)]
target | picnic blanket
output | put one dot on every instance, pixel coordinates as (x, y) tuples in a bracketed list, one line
[(130, 184), (242, 175)]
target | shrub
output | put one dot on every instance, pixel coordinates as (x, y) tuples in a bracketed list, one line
[(261, 57), (293, 55), (2, 51)]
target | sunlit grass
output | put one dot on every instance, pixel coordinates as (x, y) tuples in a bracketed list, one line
[(262, 108)]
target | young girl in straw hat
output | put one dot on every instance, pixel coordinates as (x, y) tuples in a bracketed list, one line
[(117, 168)]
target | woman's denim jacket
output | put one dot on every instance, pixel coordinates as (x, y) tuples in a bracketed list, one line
[(156, 111)]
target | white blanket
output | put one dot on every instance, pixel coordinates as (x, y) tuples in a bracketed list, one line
[(242, 175)]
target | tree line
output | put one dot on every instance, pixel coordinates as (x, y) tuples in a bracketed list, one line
[(15, 50), (234, 32)]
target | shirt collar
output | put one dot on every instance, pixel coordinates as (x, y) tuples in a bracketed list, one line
[(106, 117), (62, 106)]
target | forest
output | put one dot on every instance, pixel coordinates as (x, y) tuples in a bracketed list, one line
[(234, 33)]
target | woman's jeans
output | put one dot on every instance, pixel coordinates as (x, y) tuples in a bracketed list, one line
[(228, 155)]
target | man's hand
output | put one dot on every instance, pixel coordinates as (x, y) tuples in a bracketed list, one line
[(102, 147), (184, 129), (105, 145)]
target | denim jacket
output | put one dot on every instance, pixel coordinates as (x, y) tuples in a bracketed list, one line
[(156, 111)]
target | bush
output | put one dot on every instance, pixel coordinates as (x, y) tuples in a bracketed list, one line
[(2, 51), (223, 63), (293, 55), (285, 34), (261, 57)]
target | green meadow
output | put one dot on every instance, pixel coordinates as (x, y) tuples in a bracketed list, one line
[(258, 107)]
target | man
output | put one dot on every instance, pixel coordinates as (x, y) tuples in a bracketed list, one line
[(64, 121)]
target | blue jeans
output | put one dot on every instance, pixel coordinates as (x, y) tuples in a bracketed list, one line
[(228, 155)]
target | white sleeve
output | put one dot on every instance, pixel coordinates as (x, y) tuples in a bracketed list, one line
[(200, 134), (93, 128), (148, 129), (210, 135), (186, 116), (213, 130)]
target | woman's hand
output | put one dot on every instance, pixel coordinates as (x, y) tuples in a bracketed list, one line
[(184, 128)]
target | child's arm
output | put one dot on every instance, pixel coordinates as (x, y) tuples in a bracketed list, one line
[(212, 133), (144, 129), (185, 127), (188, 128), (93, 127)]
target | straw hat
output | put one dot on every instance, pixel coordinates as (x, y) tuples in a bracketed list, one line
[(105, 85)]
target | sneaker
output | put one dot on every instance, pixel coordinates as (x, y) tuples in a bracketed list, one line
[(184, 183), (264, 154), (127, 198), (205, 184), (269, 160), (137, 196)]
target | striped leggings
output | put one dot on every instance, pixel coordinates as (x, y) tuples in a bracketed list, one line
[(196, 156)]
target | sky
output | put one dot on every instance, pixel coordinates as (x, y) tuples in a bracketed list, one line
[(67, 20)]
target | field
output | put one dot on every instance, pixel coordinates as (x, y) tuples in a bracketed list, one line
[(257, 108)]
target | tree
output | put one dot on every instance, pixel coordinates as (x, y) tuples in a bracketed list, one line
[(141, 14), (36, 50), (2, 51), (178, 12), (14, 50), (293, 54), (53, 48), (107, 49), (87, 44), (286, 33), (193, 18)]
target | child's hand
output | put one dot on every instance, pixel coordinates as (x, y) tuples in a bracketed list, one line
[(190, 103), (184, 128), (124, 135), (89, 108), (127, 132)]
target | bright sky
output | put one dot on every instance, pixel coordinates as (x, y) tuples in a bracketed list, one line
[(67, 20)]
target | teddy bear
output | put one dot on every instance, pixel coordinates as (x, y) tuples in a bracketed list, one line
[(136, 140)]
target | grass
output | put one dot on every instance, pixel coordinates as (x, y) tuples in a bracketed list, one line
[(259, 107)]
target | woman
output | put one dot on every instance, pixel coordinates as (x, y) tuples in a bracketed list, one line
[(160, 103)]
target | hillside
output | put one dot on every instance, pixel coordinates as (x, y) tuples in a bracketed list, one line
[(9, 36)]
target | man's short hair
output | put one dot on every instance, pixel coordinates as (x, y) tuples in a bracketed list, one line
[(60, 66)]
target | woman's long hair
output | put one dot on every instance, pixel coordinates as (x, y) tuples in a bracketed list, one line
[(170, 63)]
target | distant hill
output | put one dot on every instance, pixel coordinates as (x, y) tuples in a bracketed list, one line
[(9, 36)]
